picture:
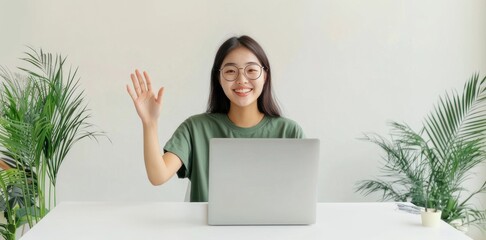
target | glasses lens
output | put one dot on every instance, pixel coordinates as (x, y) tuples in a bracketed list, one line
[(253, 71), (230, 73)]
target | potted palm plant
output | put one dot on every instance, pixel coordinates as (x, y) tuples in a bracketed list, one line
[(42, 115), (429, 167)]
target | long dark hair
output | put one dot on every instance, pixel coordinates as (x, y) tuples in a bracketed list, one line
[(218, 102)]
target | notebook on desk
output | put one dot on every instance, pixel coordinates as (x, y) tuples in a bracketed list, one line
[(262, 181)]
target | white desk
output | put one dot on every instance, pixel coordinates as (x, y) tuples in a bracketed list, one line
[(107, 220)]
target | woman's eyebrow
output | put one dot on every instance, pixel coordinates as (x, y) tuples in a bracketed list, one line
[(234, 64), (229, 64)]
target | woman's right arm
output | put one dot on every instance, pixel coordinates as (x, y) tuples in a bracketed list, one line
[(160, 168)]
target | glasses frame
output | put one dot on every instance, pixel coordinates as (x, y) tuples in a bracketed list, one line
[(244, 72)]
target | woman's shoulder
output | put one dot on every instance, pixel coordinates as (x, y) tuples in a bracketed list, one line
[(283, 121), (286, 126)]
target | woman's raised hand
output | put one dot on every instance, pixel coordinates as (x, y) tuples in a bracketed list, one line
[(148, 105)]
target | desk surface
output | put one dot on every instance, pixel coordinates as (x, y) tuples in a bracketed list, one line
[(159, 220)]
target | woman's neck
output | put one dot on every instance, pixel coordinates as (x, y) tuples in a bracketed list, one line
[(245, 117)]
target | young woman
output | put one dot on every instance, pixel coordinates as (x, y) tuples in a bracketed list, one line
[(240, 106)]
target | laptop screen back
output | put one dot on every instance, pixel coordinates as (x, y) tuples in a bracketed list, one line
[(262, 181)]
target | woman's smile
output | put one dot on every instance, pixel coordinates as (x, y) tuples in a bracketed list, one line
[(243, 92)]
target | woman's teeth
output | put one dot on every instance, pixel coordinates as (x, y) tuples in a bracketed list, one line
[(242, 90)]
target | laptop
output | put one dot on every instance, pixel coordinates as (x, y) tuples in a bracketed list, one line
[(261, 181)]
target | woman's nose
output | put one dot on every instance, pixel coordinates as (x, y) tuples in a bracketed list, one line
[(241, 79)]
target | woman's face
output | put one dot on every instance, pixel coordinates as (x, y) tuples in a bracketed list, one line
[(242, 92)]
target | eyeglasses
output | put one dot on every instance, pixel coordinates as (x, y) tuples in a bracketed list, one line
[(251, 72)]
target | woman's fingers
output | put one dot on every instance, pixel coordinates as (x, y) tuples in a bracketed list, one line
[(136, 84), (149, 81), (160, 94), (132, 94), (143, 87)]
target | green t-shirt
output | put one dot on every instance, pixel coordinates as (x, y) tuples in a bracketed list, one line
[(190, 142)]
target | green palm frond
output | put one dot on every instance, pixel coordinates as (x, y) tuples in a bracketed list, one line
[(471, 216), (402, 169), (20, 121), (389, 193), (397, 156), (458, 118)]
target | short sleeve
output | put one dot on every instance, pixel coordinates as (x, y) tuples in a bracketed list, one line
[(180, 145), (299, 133), (294, 129)]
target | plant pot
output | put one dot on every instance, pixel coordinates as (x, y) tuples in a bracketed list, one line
[(431, 217)]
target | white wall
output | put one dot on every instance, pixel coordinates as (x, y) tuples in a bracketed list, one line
[(341, 68)]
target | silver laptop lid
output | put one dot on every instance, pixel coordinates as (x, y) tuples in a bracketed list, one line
[(262, 181)]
